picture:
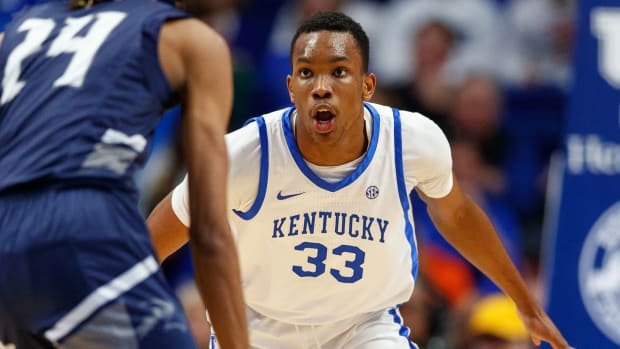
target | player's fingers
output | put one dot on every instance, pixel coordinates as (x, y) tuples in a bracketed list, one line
[(536, 340), (559, 343)]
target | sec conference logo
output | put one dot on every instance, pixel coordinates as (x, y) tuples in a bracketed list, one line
[(599, 273), (372, 192)]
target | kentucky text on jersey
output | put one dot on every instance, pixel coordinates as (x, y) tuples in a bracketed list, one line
[(339, 223)]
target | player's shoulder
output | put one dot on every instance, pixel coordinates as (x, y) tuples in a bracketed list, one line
[(414, 122), (193, 38), (190, 27), (409, 120), (246, 134), (250, 129), (190, 30), (243, 147), (274, 118), (248, 137), (382, 110), (418, 131)]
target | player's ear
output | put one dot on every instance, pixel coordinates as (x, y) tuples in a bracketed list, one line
[(290, 89), (368, 86)]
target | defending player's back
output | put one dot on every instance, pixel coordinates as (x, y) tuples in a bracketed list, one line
[(66, 111), (81, 92)]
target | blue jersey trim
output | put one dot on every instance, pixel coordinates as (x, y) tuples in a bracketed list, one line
[(264, 170), (212, 341), (402, 191), (299, 160), (404, 330)]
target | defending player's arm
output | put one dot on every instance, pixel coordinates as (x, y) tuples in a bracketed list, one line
[(469, 230), (168, 233), (197, 62), (168, 223), (465, 225)]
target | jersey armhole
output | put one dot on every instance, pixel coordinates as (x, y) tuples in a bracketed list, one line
[(402, 191), (153, 70), (264, 169)]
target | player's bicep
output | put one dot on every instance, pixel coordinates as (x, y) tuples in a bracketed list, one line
[(208, 85), (450, 211), (196, 62), (170, 55), (207, 104)]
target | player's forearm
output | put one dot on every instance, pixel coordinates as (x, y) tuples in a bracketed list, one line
[(218, 279), (472, 234), (216, 264)]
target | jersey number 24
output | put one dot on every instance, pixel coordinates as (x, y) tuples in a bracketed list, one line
[(83, 48)]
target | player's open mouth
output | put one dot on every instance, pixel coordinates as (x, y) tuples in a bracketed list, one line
[(324, 120)]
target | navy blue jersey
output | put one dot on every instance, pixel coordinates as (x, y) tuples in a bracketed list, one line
[(81, 93)]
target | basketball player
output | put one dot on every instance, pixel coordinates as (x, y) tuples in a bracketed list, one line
[(319, 204), (83, 85)]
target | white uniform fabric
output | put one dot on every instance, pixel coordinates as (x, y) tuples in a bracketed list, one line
[(379, 330), (316, 252)]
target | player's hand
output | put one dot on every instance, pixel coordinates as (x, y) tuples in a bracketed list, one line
[(541, 328)]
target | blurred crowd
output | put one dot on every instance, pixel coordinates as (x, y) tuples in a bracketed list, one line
[(494, 74)]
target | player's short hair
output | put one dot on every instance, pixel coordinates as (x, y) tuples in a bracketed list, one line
[(336, 22)]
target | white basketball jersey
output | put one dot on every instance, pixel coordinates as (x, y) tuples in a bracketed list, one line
[(308, 245)]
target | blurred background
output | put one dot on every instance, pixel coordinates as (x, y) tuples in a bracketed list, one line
[(499, 77)]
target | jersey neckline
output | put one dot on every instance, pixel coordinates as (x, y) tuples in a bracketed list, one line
[(305, 169)]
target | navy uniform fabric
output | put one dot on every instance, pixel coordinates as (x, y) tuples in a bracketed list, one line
[(81, 94), (79, 106)]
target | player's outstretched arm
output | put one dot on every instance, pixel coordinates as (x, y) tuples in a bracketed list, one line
[(470, 231), (168, 233), (197, 62)]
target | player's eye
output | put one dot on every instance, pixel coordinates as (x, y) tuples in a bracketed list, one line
[(305, 73), (340, 72)]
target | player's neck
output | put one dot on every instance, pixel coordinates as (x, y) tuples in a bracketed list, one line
[(350, 146)]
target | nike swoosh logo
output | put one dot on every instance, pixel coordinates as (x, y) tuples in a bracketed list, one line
[(284, 197)]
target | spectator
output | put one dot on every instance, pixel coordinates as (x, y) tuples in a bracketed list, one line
[(476, 114), (425, 91), (494, 324), (476, 23), (539, 42)]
